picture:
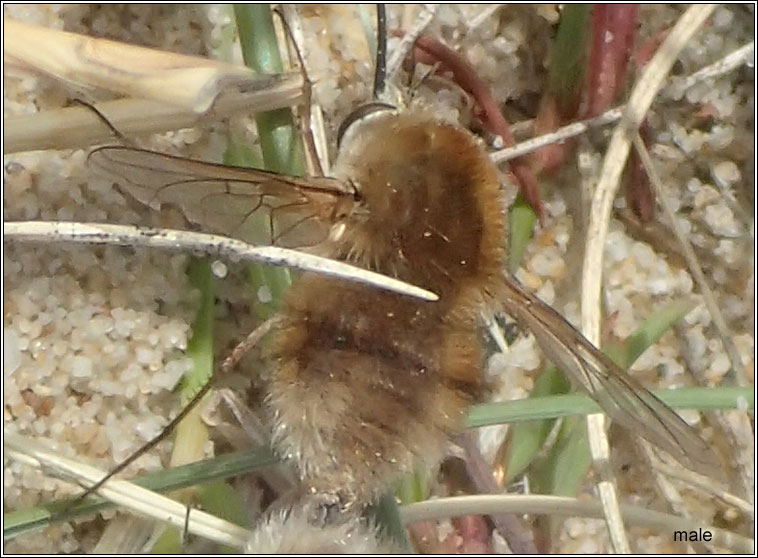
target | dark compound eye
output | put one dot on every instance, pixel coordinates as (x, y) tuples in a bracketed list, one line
[(358, 114)]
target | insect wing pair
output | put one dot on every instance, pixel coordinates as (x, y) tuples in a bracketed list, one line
[(301, 211)]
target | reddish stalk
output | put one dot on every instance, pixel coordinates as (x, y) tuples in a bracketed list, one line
[(614, 28), (431, 51)]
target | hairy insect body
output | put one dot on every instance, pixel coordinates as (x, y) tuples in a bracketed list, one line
[(367, 385), (295, 532)]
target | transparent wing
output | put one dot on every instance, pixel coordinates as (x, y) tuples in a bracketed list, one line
[(250, 204), (624, 399)]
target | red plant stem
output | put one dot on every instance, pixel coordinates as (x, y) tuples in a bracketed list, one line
[(549, 159), (647, 49), (475, 533), (430, 50), (614, 28), (639, 195)]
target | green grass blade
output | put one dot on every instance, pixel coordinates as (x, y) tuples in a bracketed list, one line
[(568, 60), (387, 516), (200, 345), (229, 465), (562, 471), (526, 439), (191, 433), (266, 280), (521, 221), (557, 406), (223, 501), (220, 467), (413, 488), (653, 329), (169, 542), (282, 150), (567, 475), (280, 144)]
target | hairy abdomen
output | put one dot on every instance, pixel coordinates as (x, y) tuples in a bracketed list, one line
[(368, 385)]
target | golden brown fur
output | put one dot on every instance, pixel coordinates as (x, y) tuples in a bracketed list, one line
[(366, 384)]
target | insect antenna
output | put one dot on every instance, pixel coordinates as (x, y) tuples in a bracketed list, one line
[(380, 69), (380, 79)]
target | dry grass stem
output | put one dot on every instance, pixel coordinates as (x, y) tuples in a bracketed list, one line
[(706, 484), (559, 135), (556, 505), (208, 244), (615, 159), (744, 449), (732, 61), (187, 81), (693, 265), (126, 494), (73, 127)]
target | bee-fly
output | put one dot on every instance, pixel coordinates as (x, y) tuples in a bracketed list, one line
[(368, 385)]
